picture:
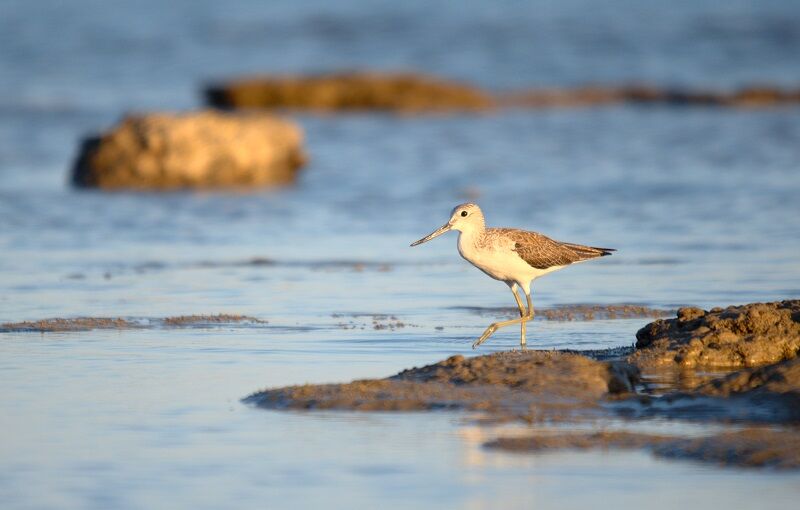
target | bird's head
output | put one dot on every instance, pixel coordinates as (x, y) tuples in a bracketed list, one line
[(464, 218)]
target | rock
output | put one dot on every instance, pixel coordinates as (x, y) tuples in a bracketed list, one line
[(753, 447), (192, 150), (91, 323), (738, 336), (75, 324), (530, 384), (418, 93), (762, 96), (349, 91), (641, 94), (549, 98), (577, 441), (222, 318)]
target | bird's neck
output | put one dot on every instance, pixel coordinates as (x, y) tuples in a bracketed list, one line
[(470, 236)]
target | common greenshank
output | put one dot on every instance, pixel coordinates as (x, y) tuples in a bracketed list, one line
[(516, 257)]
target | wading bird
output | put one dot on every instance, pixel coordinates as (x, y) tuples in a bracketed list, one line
[(516, 257)]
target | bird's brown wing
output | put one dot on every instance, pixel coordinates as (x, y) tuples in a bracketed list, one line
[(541, 252)]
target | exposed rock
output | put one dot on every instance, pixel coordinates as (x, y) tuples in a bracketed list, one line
[(91, 323), (738, 336), (192, 150), (349, 91), (59, 324), (755, 447), (529, 384)]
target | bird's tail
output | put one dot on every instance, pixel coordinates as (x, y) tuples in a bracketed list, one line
[(589, 252)]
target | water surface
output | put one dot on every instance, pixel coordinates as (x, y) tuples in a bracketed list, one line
[(701, 204)]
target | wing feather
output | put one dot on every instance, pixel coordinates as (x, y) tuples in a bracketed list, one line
[(541, 252)]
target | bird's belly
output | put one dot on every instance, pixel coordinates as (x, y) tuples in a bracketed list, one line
[(505, 266)]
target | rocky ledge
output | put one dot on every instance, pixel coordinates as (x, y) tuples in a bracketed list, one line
[(528, 385), (737, 336), (207, 149)]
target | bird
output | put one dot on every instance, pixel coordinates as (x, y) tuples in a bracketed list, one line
[(516, 257)]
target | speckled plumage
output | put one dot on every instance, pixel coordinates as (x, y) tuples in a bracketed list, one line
[(516, 257)]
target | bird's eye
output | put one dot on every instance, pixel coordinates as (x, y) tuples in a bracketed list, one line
[(463, 213)]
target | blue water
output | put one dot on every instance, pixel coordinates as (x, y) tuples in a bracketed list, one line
[(702, 204)]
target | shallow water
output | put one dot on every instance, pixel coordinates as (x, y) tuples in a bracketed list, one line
[(701, 204)]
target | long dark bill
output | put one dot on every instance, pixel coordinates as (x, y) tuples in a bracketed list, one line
[(439, 231)]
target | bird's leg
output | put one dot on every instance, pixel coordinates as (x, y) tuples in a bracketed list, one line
[(522, 314), (528, 317), (497, 325), (530, 306), (494, 327)]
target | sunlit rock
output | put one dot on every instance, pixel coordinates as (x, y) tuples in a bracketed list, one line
[(192, 150)]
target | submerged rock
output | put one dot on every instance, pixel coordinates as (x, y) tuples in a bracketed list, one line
[(605, 439), (737, 336), (192, 150), (754, 447), (349, 91), (530, 384), (222, 318), (778, 449)]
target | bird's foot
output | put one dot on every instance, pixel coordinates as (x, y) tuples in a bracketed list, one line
[(486, 334)]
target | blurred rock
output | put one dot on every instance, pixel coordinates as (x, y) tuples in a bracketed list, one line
[(737, 336), (417, 93), (349, 91), (763, 96), (752, 97), (751, 447), (192, 150), (550, 98)]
